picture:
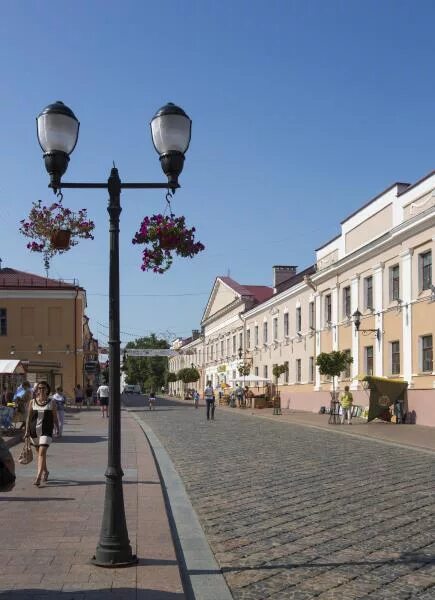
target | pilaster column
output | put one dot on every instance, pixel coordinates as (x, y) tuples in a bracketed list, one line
[(378, 280), (406, 281), (334, 301), (354, 299), (317, 312)]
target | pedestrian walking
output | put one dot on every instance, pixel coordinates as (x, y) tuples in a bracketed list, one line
[(196, 398), (41, 420), (60, 399), (89, 390), (78, 393), (23, 398), (152, 400), (346, 402), (239, 395), (103, 397), (209, 400)]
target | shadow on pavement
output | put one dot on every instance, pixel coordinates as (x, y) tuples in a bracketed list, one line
[(72, 592), (73, 482), (78, 439), (406, 558), (26, 499)]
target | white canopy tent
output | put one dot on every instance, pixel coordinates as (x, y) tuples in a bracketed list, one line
[(254, 379), (9, 367)]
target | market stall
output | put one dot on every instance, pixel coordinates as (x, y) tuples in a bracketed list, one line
[(12, 374)]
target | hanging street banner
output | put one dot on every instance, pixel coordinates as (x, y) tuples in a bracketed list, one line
[(138, 352)]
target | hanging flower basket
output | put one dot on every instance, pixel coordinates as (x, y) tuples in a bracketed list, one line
[(60, 239), (164, 237), (55, 229)]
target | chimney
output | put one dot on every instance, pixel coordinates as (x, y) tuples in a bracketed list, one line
[(282, 273), (195, 334)]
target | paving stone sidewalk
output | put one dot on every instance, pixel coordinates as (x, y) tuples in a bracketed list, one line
[(49, 534)]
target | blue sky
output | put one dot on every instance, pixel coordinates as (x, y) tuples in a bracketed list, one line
[(302, 111)]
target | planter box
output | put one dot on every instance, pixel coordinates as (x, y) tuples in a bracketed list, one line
[(259, 402)]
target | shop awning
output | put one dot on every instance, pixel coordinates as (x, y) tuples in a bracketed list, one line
[(8, 367), (250, 379)]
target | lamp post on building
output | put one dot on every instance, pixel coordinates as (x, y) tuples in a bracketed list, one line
[(58, 129), (357, 322)]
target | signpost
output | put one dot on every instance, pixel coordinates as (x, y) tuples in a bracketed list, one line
[(91, 366)]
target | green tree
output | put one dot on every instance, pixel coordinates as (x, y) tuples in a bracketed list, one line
[(332, 364), (172, 377), (188, 375), (278, 370), (150, 372)]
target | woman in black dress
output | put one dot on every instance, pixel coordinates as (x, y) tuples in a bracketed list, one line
[(41, 419)]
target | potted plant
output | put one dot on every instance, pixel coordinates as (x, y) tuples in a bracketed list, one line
[(163, 237), (55, 229)]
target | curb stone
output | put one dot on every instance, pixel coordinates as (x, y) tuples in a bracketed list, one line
[(202, 575)]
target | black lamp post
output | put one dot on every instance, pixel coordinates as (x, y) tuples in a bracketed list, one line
[(58, 130), (357, 321)]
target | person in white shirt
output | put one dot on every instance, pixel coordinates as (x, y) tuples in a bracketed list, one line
[(209, 399), (103, 396), (60, 400)]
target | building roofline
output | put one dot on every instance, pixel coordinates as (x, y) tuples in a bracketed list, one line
[(355, 212)]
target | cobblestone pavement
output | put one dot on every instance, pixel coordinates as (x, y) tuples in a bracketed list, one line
[(297, 513)]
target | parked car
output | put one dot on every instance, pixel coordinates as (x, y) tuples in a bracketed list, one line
[(131, 389)]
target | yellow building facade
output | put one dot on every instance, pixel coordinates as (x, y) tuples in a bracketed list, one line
[(43, 324)]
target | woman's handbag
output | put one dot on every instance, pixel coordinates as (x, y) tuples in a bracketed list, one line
[(26, 455)]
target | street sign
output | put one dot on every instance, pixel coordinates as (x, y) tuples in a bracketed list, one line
[(137, 352), (91, 366)]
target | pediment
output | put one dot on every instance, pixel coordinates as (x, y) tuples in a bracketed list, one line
[(222, 295)]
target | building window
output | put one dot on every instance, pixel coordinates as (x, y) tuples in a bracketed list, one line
[(211, 350), (241, 340), (275, 328), (368, 292), (298, 370), (265, 374), (311, 369), (234, 344), (286, 372), (427, 353), (394, 282), (256, 371), (248, 338), (265, 332), (369, 359), (346, 372), (286, 325), (395, 358), (311, 315), (298, 319), (234, 375), (346, 302), (222, 348), (328, 309), (425, 270), (3, 322), (256, 335), (228, 346)]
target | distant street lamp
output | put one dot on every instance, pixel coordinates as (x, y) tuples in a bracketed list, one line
[(357, 321), (58, 130)]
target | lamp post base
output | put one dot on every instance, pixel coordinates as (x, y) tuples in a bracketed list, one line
[(102, 561)]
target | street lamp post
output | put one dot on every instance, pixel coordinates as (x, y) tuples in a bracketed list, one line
[(241, 353), (58, 129)]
